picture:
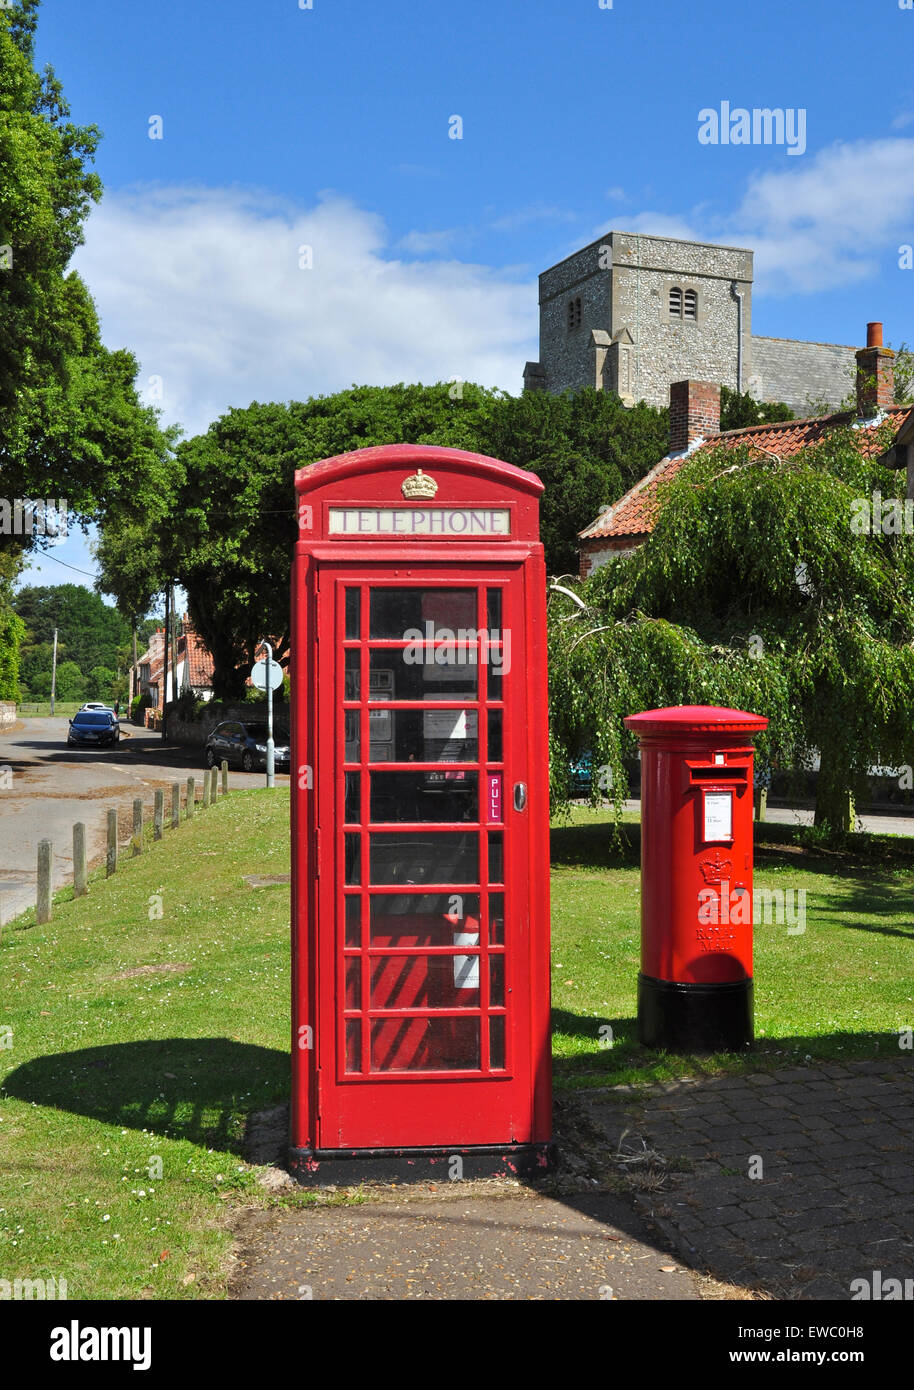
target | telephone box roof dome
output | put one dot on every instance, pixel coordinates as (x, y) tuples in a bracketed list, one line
[(382, 457)]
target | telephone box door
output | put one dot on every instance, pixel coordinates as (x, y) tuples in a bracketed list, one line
[(424, 857)]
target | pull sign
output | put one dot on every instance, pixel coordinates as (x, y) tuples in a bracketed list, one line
[(495, 796), (520, 795)]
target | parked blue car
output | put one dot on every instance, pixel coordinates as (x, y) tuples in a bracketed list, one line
[(93, 729)]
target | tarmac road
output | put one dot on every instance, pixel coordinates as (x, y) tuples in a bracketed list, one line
[(45, 787)]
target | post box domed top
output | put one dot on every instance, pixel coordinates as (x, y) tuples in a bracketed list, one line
[(387, 458), (694, 719)]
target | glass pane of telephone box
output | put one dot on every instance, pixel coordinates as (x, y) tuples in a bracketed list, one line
[(445, 673), (353, 801), (402, 614), (423, 857), (425, 982), (425, 796), (353, 615), (353, 660), (424, 919), (425, 1044), (424, 736)]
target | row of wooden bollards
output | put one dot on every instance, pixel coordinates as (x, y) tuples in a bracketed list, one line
[(80, 861)]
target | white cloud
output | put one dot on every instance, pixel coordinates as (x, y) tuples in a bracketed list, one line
[(204, 285), (829, 221)]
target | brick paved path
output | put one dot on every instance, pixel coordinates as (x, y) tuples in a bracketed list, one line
[(834, 1147)]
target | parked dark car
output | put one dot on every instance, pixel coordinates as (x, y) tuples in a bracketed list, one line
[(245, 745), (580, 775), (93, 729)]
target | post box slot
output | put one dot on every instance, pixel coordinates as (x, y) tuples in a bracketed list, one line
[(721, 773)]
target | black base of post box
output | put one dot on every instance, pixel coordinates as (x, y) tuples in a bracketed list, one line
[(344, 1167), (695, 1017)]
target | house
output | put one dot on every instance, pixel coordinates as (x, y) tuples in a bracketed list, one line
[(190, 667), (695, 424)]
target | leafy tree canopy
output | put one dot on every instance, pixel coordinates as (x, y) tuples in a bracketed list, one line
[(757, 589), (90, 633), (739, 410), (71, 423)]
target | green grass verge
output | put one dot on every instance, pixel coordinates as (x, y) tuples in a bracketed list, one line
[(149, 1019)]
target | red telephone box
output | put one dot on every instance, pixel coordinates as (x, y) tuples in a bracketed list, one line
[(420, 819), (695, 986)]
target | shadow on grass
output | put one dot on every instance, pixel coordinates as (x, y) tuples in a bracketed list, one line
[(595, 846), (627, 1062), (200, 1089)]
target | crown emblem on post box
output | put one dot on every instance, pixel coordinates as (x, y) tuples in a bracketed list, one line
[(419, 485), (715, 869)]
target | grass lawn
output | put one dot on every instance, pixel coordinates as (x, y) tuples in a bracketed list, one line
[(149, 1019)]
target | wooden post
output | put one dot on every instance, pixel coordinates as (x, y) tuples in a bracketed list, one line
[(224, 777), (137, 837), (43, 901), (111, 856), (214, 789), (189, 808), (175, 805), (206, 786), (158, 814), (761, 803), (80, 886)]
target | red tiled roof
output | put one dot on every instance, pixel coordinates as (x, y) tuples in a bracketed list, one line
[(635, 513), (199, 662)]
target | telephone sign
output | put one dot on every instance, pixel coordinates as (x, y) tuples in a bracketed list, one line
[(420, 888)]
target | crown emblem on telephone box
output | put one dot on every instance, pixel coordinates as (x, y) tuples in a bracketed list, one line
[(419, 485)]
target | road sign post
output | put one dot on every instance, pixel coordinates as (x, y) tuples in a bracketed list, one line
[(267, 675)]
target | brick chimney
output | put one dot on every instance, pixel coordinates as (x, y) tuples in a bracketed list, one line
[(875, 374), (694, 413)]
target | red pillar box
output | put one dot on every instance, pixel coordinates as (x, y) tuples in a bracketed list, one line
[(695, 985), (420, 819)]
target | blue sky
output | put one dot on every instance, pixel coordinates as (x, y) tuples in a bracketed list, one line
[(329, 128)]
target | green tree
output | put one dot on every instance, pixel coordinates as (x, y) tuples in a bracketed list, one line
[(71, 683), (740, 410), (71, 423), (91, 631), (755, 591), (587, 447), (99, 683), (904, 375)]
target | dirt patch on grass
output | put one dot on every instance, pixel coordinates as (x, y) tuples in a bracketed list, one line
[(172, 969)]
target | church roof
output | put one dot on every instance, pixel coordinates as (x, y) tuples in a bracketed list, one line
[(635, 514)]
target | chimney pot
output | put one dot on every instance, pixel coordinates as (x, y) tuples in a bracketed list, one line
[(874, 335)]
